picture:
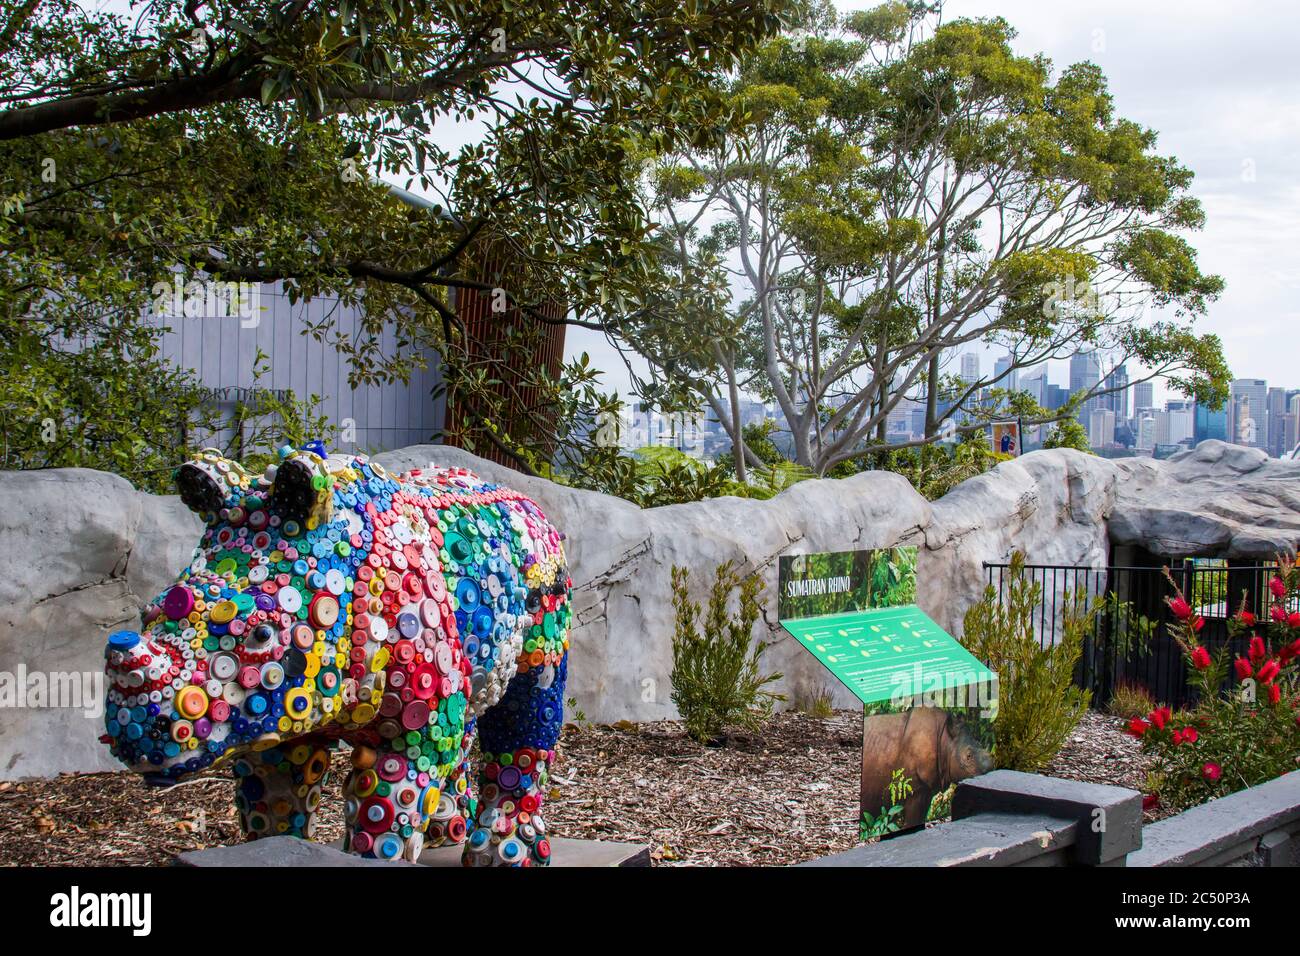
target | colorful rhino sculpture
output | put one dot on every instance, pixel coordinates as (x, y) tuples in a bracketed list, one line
[(331, 601)]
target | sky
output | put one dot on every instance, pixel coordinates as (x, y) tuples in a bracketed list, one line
[(1220, 84)]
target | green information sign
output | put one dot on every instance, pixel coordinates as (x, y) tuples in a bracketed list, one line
[(891, 654)]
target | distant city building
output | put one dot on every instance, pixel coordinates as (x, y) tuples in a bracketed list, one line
[(1101, 428), (1116, 399), (1249, 413), (1054, 397), (1085, 374), (1146, 433), (1144, 396), (1005, 376), (1277, 409), (970, 368), (1178, 426), (1210, 424)]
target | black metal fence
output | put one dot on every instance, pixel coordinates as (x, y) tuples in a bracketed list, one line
[(1115, 653)]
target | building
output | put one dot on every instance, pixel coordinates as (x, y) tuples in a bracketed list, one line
[(1248, 415), (1146, 432), (1178, 425), (1004, 375), (1085, 375), (1117, 393), (1276, 403), (225, 333), (970, 368), (1144, 396), (1101, 428), (1210, 423)]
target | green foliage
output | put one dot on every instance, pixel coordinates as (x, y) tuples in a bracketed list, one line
[(934, 470), (891, 812), (1130, 700), (244, 142), (819, 704), (1235, 736), (1068, 433), (1038, 704), (716, 676)]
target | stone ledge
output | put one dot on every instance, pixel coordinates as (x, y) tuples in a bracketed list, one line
[(1109, 818), (990, 839), (287, 851), (1222, 830)]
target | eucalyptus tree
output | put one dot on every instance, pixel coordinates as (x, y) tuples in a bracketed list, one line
[(903, 187)]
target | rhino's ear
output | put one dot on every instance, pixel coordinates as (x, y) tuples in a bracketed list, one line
[(302, 488), (199, 489)]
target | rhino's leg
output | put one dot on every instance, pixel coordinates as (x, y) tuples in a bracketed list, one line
[(517, 739), (454, 817), (279, 789)]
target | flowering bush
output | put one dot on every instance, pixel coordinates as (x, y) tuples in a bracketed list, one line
[(1241, 736)]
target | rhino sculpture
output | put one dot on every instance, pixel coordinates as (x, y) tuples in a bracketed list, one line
[(330, 601)]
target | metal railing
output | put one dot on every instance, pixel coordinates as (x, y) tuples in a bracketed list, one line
[(1114, 651)]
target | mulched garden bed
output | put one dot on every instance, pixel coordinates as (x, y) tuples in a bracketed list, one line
[(788, 795)]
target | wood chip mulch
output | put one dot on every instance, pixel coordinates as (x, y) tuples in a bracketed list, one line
[(785, 796)]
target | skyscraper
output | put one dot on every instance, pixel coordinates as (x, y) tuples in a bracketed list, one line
[(1144, 396), (970, 367), (1277, 409), (1005, 376), (1117, 400), (1210, 423), (1101, 428), (1249, 418)]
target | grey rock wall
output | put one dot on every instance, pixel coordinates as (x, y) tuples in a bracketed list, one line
[(81, 550)]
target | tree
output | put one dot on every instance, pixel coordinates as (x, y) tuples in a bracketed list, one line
[(903, 188), (1068, 433), (242, 142)]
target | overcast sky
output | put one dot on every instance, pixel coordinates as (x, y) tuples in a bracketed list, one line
[(1220, 83)]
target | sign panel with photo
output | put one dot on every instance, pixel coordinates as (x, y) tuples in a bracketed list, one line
[(927, 702), (1006, 438)]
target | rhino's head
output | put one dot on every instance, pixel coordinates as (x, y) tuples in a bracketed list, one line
[(967, 756), (244, 649)]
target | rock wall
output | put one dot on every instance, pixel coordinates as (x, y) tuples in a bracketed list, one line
[(81, 550)]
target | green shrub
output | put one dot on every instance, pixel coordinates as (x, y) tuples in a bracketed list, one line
[(1130, 700), (1038, 704), (819, 704), (716, 678)]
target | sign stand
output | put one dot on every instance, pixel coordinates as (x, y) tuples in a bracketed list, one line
[(928, 703)]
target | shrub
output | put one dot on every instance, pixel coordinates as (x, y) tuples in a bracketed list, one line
[(1236, 736), (1038, 704), (716, 678), (1130, 700), (819, 704)]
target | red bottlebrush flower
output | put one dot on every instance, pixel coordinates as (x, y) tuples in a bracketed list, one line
[(1190, 736), (1212, 772), (1200, 658), (1137, 726), (1182, 610), (1274, 694), (1150, 801), (1293, 621), (1278, 614), (1257, 650), (1198, 623), (1159, 717), (1246, 619), (1178, 737), (1244, 670), (1269, 671), (1278, 587)]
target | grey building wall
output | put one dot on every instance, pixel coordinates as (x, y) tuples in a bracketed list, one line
[(220, 342)]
